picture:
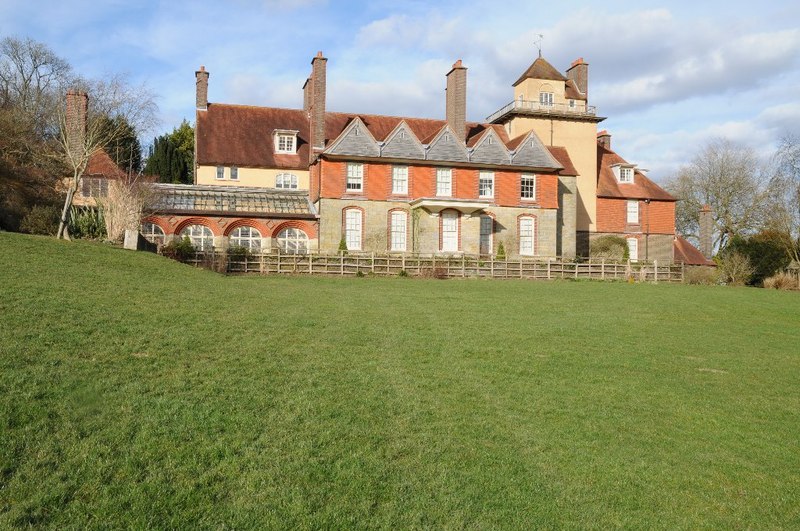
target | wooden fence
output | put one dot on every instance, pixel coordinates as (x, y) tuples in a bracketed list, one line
[(353, 264)]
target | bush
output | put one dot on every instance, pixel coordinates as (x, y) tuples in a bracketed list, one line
[(501, 251), (734, 268), (238, 252), (86, 222), (609, 247), (41, 219), (343, 246), (765, 251), (403, 273), (700, 275), (782, 280), (179, 249)]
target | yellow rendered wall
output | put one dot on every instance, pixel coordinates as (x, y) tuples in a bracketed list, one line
[(580, 139), (530, 89), (256, 177)]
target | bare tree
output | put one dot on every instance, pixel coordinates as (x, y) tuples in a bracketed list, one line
[(125, 206), (84, 128), (731, 180), (784, 197)]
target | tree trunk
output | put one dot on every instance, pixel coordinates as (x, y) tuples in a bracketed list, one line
[(62, 225)]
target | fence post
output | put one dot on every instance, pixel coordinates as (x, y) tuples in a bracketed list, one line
[(683, 267), (491, 266), (310, 264), (403, 263), (576, 270), (341, 262), (372, 268), (520, 268), (548, 269), (279, 260), (655, 270), (463, 266), (261, 264), (603, 269)]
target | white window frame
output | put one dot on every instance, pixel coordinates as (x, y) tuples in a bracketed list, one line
[(152, 232), (531, 193), (632, 212), (202, 237), (398, 230), (633, 249), (354, 183), (292, 240), (400, 180), (486, 184), (245, 236), (444, 182), (486, 235), (625, 175), (546, 99), (286, 142), (286, 181), (353, 227), (220, 173), (527, 236), (450, 228)]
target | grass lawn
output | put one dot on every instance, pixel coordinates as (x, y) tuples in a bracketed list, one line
[(138, 392)]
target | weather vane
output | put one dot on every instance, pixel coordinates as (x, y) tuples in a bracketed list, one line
[(538, 43)]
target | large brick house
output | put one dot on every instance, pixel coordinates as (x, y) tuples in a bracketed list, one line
[(536, 177)]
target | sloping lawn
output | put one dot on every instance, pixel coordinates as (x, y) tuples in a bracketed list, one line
[(138, 392)]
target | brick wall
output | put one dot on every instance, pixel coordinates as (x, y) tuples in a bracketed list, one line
[(656, 218)]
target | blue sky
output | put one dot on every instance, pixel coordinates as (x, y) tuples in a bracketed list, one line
[(668, 76)]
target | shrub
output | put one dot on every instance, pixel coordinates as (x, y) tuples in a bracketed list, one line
[(609, 247), (41, 219), (734, 268), (501, 251), (402, 273), (765, 251), (343, 246), (782, 280), (700, 275), (86, 222), (238, 252), (180, 249)]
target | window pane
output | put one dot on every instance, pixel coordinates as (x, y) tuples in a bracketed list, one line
[(353, 229), (633, 212), (486, 184), (528, 187), (398, 231), (444, 181), (487, 230), (355, 177), (526, 236), (400, 180)]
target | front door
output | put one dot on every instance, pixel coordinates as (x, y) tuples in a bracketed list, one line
[(449, 231)]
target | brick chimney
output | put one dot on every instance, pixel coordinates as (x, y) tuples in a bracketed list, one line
[(307, 95), (579, 73), (456, 99), (706, 231), (604, 139), (317, 102), (201, 95), (76, 122)]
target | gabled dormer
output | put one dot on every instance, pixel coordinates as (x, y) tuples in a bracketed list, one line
[(623, 172), (489, 148), (285, 141), (447, 146), (532, 153), (403, 143), (355, 140)]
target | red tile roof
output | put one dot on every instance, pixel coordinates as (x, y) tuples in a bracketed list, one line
[(608, 186), (540, 69), (101, 165), (562, 156), (685, 252)]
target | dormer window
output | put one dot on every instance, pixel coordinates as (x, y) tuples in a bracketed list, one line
[(623, 173), (285, 141)]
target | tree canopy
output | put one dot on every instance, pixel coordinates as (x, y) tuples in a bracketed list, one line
[(172, 155)]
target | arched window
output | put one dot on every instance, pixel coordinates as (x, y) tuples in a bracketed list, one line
[(286, 180), (527, 231), (353, 224), (152, 233), (294, 241), (246, 237), (398, 229), (201, 236)]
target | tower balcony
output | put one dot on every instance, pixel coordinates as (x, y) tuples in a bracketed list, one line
[(577, 110)]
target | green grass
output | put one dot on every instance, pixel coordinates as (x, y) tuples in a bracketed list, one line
[(138, 392)]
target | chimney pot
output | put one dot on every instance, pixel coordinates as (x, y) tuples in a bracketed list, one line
[(604, 139), (578, 72)]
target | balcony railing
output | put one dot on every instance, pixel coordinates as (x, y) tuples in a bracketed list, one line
[(537, 107)]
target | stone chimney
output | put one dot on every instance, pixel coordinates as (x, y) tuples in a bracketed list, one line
[(317, 103), (579, 73), (604, 139), (307, 95), (706, 231), (201, 95), (76, 122), (456, 99)]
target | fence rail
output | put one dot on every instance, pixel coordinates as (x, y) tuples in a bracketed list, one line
[(436, 266)]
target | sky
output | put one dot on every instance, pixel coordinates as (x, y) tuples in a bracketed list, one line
[(668, 76)]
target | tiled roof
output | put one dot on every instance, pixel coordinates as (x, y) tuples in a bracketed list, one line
[(540, 69), (607, 185), (225, 200), (562, 156), (101, 165), (684, 251)]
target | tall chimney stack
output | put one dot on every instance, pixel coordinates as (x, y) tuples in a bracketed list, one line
[(307, 95), (76, 122), (579, 73), (706, 231), (456, 99), (318, 88), (201, 94)]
